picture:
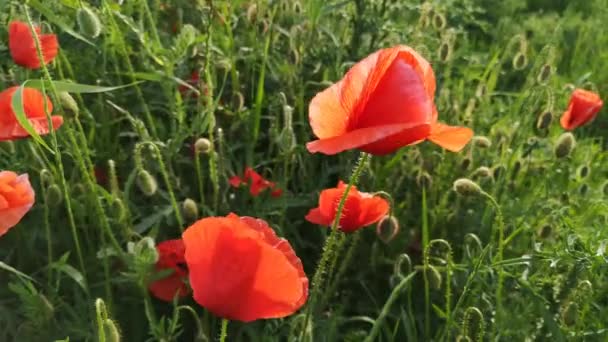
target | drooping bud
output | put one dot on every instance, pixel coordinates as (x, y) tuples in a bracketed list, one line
[(190, 210), (424, 179), (88, 22), (570, 313), (387, 228), (445, 51), (466, 162), (119, 211), (203, 145), (252, 12), (482, 172), (433, 276), (482, 142), (467, 187), (583, 189), (520, 61), (583, 171), (146, 182), (544, 120), (605, 188), (545, 73), (111, 331), (69, 104), (545, 231), (439, 21), (498, 171), (54, 196), (564, 145)]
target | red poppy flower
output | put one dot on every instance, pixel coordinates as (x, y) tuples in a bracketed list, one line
[(257, 183), (383, 103), (16, 199), (194, 82), (360, 209), (23, 47), (584, 106), (240, 269), (170, 257), (33, 104)]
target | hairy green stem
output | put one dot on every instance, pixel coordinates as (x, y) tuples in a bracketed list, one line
[(500, 252), (224, 332)]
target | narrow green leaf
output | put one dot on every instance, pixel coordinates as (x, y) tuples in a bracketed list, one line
[(14, 271), (38, 6), (19, 110), (76, 88), (72, 273)]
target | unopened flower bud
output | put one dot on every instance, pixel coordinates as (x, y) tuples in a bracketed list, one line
[(68, 104), (544, 120), (444, 52), (483, 172), (439, 21), (545, 231), (88, 22), (433, 276), (146, 183), (545, 73), (482, 142), (570, 314), (203, 145), (520, 61), (583, 171), (466, 162), (387, 228), (111, 331), (54, 196), (466, 187), (583, 189), (190, 210), (424, 179), (564, 145)]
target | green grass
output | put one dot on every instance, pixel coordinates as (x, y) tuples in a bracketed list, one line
[(260, 63)]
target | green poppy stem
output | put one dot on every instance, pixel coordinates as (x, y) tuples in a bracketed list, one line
[(224, 331)]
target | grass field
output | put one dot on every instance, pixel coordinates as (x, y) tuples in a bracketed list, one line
[(171, 112)]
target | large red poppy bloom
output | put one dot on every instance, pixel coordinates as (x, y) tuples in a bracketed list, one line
[(170, 257), (360, 209), (240, 270), (584, 106), (256, 183), (33, 104), (23, 47), (383, 103), (16, 199)]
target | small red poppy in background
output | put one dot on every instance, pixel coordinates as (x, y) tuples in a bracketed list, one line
[(170, 257), (33, 104), (256, 183), (194, 82), (240, 269), (584, 106), (360, 209), (383, 103), (23, 47), (16, 199)]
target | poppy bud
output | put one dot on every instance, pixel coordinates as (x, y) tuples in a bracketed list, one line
[(144, 251), (462, 338), (190, 210), (111, 331), (482, 142), (481, 90), (46, 177), (466, 162), (605, 189), (545, 231), (54, 196), (222, 64), (516, 168), (582, 171), (482, 172), (445, 51), (252, 12), (544, 120), (583, 189), (68, 104), (520, 61), (202, 145), (498, 171), (564, 145), (88, 22), (146, 183), (439, 21), (387, 228), (467, 187), (118, 209), (545, 73), (297, 7), (570, 314), (424, 180), (238, 101), (433, 276)]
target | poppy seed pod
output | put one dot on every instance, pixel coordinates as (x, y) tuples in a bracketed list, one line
[(544, 120), (54, 196), (387, 228), (482, 142), (564, 145), (146, 183), (467, 187), (203, 145), (433, 276), (190, 210), (68, 104), (111, 331), (88, 22)]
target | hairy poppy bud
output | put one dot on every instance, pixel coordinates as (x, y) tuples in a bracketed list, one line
[(466, 162), (498, 171), (570, 314), (146, 183), (144, 251), (466, 187), (424, 179), (68, 104), (119, 211), (605, 188), (190, 210), (520, 61), (516, 168), (433, 276), (202, 145), (583, 189), (583, 171), (462, 338), (54, 196), (564, 145), (544, 120), (387, 228), (88, 22), (252, 12), (111, 331), (545, 231), (445, 51), (439, 21), (544, 74), (482, 142), (482, 172)]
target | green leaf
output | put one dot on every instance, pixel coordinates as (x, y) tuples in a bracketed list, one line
[(38, 6), (19, 110), (14, 271), (149, 221), (76, 88), (72, 273)]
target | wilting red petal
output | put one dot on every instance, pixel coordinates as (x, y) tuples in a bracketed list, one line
[(33, 105), (23, 47), (584, 106), (360, 209), (256, 182), (171, 256), (235, 181), (383, 103), (240, 269), (452, 138), (16, 199)]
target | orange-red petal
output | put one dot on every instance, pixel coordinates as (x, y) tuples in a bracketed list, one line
[(452, 138), (23, 47), (583, 107), (16, 199)]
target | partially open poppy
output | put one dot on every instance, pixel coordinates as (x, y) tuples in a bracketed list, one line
[(33, 104), (23, 47), (360, 209), (240, 269), (170, 257), (16, 199), (584, 106), (256, 183), (383, 103)]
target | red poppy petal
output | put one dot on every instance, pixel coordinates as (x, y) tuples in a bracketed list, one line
[(360, 138), (11, 216), (40, 125), (373, 209), (452, 138), (167, 288), (235, 181), (50, 47), (315, 216), (583, 107)]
